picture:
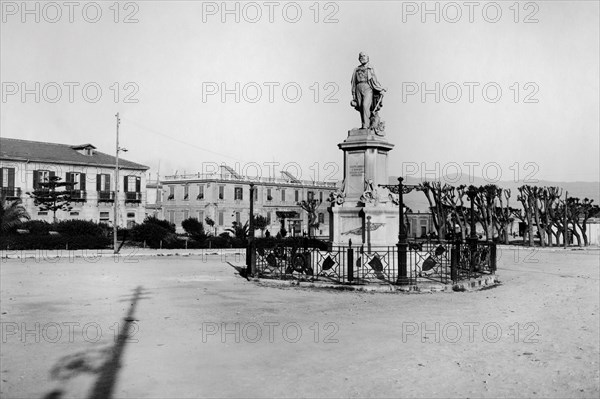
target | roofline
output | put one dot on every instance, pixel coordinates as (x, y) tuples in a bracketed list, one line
[(27, 160), (300, 184)]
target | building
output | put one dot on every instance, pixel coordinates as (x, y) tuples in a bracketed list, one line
[(420, 225), (224, 197), (24, 164)]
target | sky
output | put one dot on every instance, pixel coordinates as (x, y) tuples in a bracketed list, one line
[(502, 90)]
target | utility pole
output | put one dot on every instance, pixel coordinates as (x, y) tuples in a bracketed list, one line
[(158, 199), (566, 232), (116, 203)]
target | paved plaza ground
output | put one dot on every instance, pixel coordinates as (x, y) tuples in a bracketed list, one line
[(198, 329)]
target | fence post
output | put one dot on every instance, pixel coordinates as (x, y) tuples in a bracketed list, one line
[(493, 258), (350, 262), (454, 259)]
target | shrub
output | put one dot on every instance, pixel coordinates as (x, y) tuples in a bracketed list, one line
[(165, 224), (194, 228), (76, 227), (37, 227), (52, 242), (152, 234)]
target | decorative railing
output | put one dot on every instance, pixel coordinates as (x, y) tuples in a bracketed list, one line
[(133, 197), (106, 196), (78, 195), (428, 261), (10, 192)]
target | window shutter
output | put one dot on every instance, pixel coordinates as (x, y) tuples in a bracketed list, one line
[(138, 184), (52, 174), (98, 182), (69, 178), (36, 179), (81, 182), (11, 177), (2, 177), (125, 178)]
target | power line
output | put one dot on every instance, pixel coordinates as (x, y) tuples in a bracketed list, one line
[(153, 131)]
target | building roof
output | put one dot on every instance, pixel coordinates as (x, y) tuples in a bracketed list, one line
[(37, 151)]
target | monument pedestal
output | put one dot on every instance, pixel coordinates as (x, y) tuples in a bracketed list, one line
[(367, 213)]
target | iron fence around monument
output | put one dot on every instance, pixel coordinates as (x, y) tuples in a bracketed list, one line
[(426, 262)]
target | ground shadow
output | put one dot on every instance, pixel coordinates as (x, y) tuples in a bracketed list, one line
[(105, 361), (242, 271)]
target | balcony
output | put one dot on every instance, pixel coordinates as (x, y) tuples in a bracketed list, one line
[(106, 196), (133, 197), (10, 192), (78, 195)]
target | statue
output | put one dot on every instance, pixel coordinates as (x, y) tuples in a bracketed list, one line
[(367, 95), (370, 194), (338, 197)]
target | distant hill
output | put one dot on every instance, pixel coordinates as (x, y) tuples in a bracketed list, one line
[(417, 201)]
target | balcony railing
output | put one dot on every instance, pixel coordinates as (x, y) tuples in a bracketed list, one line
[(78, 195), (106, 196), (10, 192), (133, 197)]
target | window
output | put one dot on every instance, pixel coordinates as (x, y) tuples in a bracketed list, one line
[(255, 193), (74, 213), (221, 217), (268, 217), (221, 192), (78, 180), (296, 195), (104, 217), (171, 216), (41, 176), (186, 192), (42, 213), (321, 218), (238, 217), (7, 177), (201, 216), (7, 183), (186, 214), (310, 195), (171, 193), (200, 192), (283, 195), (320, 196), (103, 182), (239, 193), (131, 184), (269, 196), (131, 215)]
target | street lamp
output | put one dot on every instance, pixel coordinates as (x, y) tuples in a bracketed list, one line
[(401, 189), (250, 255)]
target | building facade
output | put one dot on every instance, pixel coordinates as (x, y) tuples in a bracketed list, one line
[(25, 164), (224, 197)]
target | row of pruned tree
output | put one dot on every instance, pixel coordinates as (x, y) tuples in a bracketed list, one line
[(543, 207), (546, 208)]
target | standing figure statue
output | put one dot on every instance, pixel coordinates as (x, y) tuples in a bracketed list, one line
[(367, 95)]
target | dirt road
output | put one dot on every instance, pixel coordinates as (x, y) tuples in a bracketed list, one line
[(197, 329)]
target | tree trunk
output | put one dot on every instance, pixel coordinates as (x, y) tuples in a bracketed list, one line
[(536, 215)]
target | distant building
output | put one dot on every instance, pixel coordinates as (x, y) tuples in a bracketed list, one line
[(24, 164), (224, 197), (154, 198), (419, 224)]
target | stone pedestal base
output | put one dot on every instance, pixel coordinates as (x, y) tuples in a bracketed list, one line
[(374, 224)]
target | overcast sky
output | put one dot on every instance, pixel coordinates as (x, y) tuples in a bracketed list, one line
[(175, 57)]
